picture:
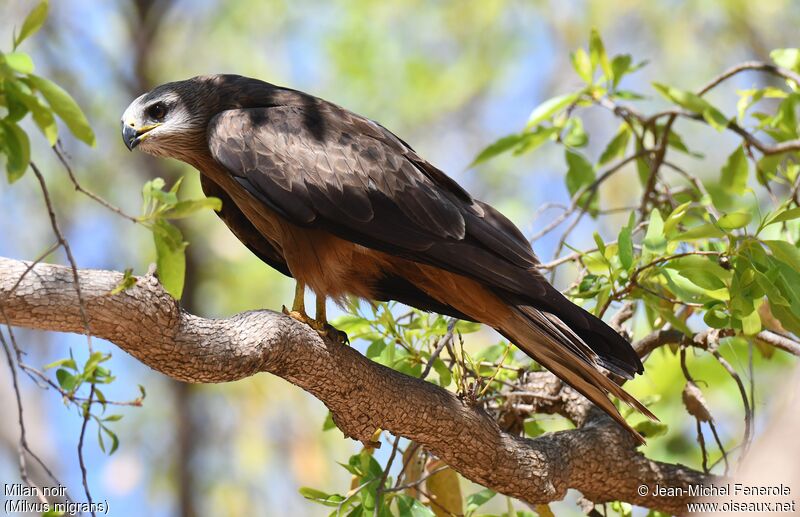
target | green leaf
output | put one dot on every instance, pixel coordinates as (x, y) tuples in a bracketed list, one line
[(128, 281), (18, 149), (532, 428), (616, 147), (787, 58), (582, 65), (500, 146), (702, 271), (46, 122), (734, 172), (675, 217), (321, 497), (445, 376), (703, 231), (66, 363), (19, 62), (114, 440), (33, 22), (66, 380), (170, 257), (654, 240), (65, 107), (782, 216), (186, 208), (785, 252), (650, 429), (625, 247), (549, 107), (580, 172), (735, 220), (620, 66), (575, 135), (410, 507), (694, 103), (597, 54), (751, 324), (478, 499), (328, 424)]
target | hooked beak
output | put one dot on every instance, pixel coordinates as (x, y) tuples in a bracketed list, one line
[(132, 136)]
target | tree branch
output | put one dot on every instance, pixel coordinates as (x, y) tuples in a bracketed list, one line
[(598, 458)]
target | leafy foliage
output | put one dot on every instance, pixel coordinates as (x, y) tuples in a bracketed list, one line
[(22, 93), (691, 259), (159, 207)]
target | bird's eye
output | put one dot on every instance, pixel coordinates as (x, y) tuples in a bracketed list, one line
[(157, 111)]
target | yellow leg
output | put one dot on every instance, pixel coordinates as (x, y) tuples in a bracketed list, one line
[(320, 324), (321, 314), (299, 303), (298, 311)]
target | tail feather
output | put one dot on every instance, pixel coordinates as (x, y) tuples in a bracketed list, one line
[(553, 344)]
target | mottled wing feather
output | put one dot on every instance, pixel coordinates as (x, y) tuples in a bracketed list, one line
[(321, 166), (359, 182)]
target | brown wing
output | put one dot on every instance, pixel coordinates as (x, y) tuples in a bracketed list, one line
[(321, 166), (351, 177)]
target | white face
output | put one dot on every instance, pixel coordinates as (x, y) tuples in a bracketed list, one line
[(160, 126)]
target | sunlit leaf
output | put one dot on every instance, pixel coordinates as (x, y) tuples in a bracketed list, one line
[(703, 231), (549, 107), (170, 257), (597, 54), (625, 247), (33, 22), (19, 62), (655, 240), (321, 497), (735, 220), (499, 147), (650, 429), (785, 252), (18, 150), (787, 58), (478, 499), (580, 172), (616, 147), (784, 215), (582, 64), (408, 507), (65, 107), (183, 209), (694, 103), (128, 281), (620, 66), (734, 172)]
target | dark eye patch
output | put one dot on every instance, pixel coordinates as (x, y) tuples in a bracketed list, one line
[(157, 111)]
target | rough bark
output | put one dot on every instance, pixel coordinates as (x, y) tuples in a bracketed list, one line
[(597, 458)]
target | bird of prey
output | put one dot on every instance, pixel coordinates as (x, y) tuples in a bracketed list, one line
[(344, 206)]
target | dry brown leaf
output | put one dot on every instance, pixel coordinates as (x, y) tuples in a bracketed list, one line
[(444, 490), (695, 402)]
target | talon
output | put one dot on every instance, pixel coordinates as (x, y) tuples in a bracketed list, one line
[(334, 334), (302, 317)]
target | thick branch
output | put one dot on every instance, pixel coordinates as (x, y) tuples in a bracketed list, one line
[(598, 458)]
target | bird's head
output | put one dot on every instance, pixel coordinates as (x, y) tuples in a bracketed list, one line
[(171, 120)]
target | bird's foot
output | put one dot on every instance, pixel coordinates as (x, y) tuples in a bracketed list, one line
[(323, 328), (332, 333)]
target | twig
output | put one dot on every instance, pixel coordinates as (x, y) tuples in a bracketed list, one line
[(748, 415), (381, 488), (84, 191), (443, 342)]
